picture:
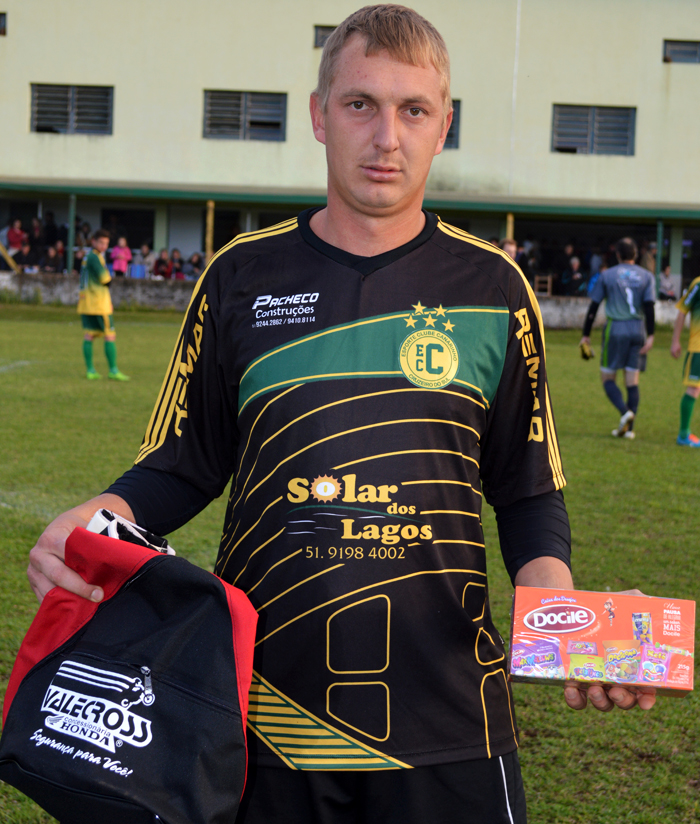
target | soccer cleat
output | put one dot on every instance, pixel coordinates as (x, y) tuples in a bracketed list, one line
[(691, 440), (586, 351), (118, 376), (629, 434), (625, 422), (93, 376)]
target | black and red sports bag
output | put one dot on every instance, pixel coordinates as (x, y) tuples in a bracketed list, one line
[(132, 710)]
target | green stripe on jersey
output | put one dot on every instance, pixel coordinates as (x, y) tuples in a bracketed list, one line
[(371, 347)]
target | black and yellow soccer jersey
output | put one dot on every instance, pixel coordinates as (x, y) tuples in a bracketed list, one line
[(94, 297), (363, 407), (690, 302)]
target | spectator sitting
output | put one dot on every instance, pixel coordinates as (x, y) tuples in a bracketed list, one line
[(121, 257), (27, 258), (177, 263), (666, 286), (36, 235), (563, 258), (78, 259), (594, 277), (82, 235), (51, 262), (595, 262), (162, 268), (145, 257), (647, 258), (194, 266), (61, 255), (572, 280), (509, 246), (16, 237)]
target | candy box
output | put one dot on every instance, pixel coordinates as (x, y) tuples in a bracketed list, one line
[(542, 660), (562, 635)]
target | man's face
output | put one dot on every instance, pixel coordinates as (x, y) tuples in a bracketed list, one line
[(383, 124), (101, 244)]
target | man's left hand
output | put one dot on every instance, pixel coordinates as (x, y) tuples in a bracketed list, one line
[(606, 700)]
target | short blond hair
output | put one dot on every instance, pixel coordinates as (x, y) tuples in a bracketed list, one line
[(408, 37)]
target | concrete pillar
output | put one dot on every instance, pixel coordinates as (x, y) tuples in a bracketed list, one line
[(507, 231), (676, 250), (209, 231), (510, 226), (161, 229)]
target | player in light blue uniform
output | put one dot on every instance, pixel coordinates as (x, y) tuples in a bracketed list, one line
[(629, 292)]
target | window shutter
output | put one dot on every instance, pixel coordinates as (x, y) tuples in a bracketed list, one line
[(265, 116), (452, 139), (613, 131), (50, 108), (245, 115), (682, 51), (593, 129), (571, 129), (92, 110), (223, 114), (71, 109), (321, 34)]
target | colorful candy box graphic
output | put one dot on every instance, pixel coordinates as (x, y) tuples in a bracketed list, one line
[(602, 638)]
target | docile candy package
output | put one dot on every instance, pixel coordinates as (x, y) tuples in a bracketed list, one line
[(560, 635)]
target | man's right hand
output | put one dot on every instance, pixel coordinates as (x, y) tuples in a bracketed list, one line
[(47, 568), (676, 349)]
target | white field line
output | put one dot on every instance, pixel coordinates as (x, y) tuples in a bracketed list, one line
[(16, 365)]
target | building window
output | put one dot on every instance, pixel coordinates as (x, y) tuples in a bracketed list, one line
[(321, 34), (3, 23), (681, 51), (245, 115), (593, 130), (452, 139), (72, 109)]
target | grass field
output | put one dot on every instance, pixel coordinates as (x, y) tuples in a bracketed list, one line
[(633, 507)]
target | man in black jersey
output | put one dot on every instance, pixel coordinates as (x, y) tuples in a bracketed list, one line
[(365, 374)]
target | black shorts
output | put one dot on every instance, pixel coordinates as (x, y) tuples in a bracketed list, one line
[(487, 791)]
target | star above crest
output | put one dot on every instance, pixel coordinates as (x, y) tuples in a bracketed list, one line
[(429, 316)]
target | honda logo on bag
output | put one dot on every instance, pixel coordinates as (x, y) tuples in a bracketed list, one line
[(82, 702), (560, 618)]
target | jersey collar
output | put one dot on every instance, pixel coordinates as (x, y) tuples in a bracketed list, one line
[(364, 265)]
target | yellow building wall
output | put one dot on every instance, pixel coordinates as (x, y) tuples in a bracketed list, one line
[(160, 55)]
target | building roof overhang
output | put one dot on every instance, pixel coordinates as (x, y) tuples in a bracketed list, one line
[(533, 207)]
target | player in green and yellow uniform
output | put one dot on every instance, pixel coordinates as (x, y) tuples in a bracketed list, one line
[(95, 307), (690, 302)]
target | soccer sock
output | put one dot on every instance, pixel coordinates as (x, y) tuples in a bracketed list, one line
[(87, 354), (633, 400), (111, 355), (687, 406), (612, 390)]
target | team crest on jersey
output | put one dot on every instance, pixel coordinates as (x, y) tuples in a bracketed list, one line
[(429, 357)]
